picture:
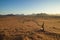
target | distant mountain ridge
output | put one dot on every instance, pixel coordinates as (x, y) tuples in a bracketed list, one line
[(37, 14)]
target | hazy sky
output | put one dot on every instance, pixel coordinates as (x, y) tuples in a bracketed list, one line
[(29, 6)]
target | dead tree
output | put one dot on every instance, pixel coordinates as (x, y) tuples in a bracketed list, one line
[(42, 27)]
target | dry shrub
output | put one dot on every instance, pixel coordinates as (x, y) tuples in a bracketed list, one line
[(2, 36), (18, 37)]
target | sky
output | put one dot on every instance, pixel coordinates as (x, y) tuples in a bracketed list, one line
[(29, 6)]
